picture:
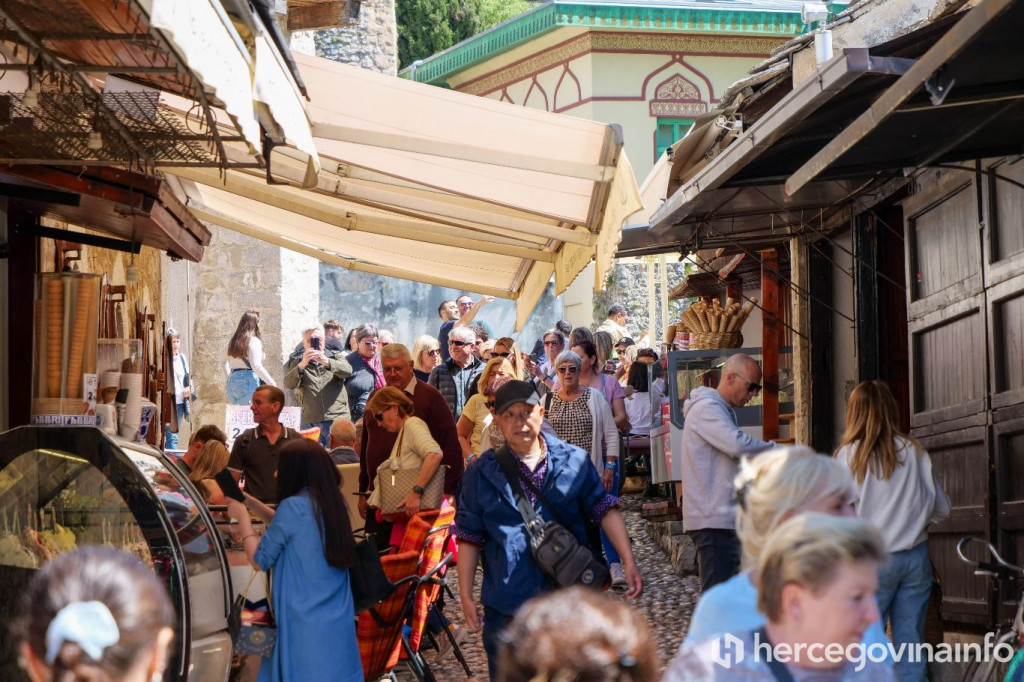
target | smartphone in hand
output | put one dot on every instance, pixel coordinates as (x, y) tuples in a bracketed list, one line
[(314, 343), (229, 486)]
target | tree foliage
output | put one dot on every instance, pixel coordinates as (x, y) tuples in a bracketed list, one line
[(426, 27)]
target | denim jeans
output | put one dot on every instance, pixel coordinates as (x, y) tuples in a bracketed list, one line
[(718, 555), (495, 623), (171, 438), (241, 384), (609, 549), (325, 432), (904, 586)]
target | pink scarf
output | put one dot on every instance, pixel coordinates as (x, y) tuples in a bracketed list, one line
[(375, 367)]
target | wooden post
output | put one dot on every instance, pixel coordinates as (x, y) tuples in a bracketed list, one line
[(770, 343)]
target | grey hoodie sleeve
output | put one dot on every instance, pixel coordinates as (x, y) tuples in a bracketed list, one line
[(715, 425)]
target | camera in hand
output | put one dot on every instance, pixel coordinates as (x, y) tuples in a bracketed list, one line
[(314, 343)]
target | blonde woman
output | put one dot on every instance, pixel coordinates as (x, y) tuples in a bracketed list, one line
[(816, 582), (212, 459), (426, 353), (772, 488), (899, 494), (476, 416), (506, 348), (392, 408)]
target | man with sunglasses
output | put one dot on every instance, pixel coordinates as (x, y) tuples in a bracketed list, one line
[(712, 446), (456, 377), (457, 313)]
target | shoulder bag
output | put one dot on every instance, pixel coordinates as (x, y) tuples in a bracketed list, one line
[(251, 624), (370, 585), (393, 484), (556, 550)]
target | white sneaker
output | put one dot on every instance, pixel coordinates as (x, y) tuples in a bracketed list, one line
[(618, 575)]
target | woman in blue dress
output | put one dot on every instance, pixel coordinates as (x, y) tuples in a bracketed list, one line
[(309, 547)]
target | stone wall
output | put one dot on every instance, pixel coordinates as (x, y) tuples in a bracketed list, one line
[(409, 309), (627, 284), (372, 44)]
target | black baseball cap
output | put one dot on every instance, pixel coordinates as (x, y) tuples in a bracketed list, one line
[(515, 392), (626, 341)]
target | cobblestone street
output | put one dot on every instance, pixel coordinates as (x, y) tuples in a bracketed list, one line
[(667, 603)]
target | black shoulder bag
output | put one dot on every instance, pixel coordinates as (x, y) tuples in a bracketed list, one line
[(556, 550)]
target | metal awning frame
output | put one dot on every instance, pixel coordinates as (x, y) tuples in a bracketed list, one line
[(945, 48), (806, 98)]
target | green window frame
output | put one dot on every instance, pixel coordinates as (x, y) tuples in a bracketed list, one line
[(668, 132)]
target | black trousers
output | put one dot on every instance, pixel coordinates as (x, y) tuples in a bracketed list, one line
[(718, 555)]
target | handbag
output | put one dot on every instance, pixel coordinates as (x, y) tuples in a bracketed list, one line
[(556, 550), (394, 484), (252, 628), (370, 585)]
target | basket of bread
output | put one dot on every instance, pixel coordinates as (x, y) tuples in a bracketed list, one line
[(713, 325)]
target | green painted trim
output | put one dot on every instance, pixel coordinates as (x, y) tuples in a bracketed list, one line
[(567, 13)]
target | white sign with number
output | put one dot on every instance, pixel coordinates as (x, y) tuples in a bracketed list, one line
[(238, 418)]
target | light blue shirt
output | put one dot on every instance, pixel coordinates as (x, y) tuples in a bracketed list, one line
[(732, 607)]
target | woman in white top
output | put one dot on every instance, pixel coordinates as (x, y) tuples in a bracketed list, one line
[(415, 447), (898, 494), (244, 362)]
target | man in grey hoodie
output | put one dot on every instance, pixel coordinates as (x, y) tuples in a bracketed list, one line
[(712, 446)]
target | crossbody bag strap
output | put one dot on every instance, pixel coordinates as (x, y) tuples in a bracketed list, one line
[(779, 670), (517, 473), (530, 516)]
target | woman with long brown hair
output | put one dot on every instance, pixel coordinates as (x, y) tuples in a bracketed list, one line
[(899, 495), (244, 360), (310, 547)]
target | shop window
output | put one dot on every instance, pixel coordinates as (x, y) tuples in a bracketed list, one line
[(670, 131)]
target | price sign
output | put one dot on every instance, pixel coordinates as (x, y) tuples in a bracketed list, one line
[(238, 418)]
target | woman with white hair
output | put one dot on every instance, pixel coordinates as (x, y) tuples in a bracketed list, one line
[(816, 582), (581, 416), (771, 489)]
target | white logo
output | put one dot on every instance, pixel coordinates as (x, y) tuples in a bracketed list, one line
[(727, 650)]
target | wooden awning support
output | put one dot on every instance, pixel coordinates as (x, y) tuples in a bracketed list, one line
[(770, 337)]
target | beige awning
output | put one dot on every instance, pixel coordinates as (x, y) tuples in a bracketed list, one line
[(430, 185)]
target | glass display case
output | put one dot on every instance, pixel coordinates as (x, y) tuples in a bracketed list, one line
[(686, 370), (61, 488)]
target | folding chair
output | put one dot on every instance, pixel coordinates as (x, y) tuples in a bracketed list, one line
[(432, 531), (379, 629)]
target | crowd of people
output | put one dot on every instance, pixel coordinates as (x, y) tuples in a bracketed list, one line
[(794, 548)]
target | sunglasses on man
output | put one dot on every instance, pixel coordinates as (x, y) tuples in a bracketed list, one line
[(460, 344)]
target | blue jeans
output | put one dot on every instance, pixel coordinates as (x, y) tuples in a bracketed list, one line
[(609, 550), (241, 384), (495, 623), (904, 586), (171, 438), (325, 432)]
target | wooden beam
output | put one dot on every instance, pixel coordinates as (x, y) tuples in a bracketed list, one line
[(320, 15), (770, 336)]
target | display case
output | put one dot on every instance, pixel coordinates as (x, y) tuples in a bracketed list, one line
[(686, 370), (61, 488)]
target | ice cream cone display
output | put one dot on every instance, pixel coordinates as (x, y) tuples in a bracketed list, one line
[(67, 314), (714, 325)]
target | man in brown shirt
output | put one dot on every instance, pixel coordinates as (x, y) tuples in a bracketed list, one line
[(254, 454)]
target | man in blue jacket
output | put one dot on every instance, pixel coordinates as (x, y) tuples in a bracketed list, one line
[(712, 446), (487, 520)]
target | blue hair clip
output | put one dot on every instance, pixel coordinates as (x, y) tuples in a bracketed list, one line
[(89, 624)]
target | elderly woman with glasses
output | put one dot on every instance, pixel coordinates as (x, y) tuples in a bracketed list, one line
[(581, 416), (475, 415), (426, 353), (544, 371), (366, 370), (393, 409)]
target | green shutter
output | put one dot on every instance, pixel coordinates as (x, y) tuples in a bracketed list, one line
[(669, 131)]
